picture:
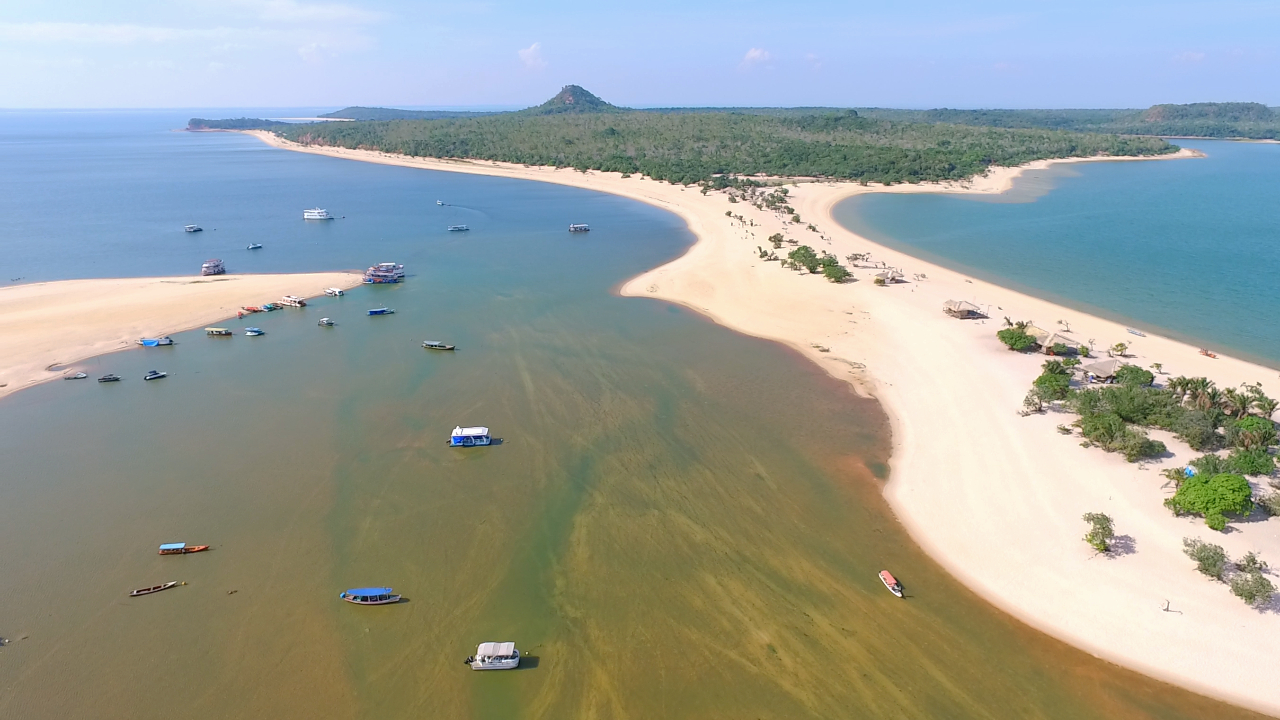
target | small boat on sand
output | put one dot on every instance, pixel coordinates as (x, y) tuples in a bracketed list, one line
[(254, 246), (253, 332), (251, 309), (293, 301), (181, 549), (370, 596), (495, 656), (77, 376), (154, 589), (381, 311), (109, 377), (154, 375), (334, 292), (436, 345), (891, 582)]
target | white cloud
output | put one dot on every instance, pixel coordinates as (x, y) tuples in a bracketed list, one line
[(532, 57), (1189, 57), (814, 61), (755, 56)]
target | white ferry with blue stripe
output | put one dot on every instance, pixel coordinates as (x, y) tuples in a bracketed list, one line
[(470, 437)]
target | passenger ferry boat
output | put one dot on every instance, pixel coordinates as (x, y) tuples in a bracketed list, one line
[(181, 549), (891, 582), (495, 656), (217, 332), (193, 228), (470, 436), (579, 227), (334, 292), (370, 596), (382, 311), (293, 301), (213, 267), (387, 272), (458, 228), (154, 342), (316, 214), (253, 332), (436, 345)]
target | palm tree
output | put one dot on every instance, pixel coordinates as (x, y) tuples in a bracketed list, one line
[(1234, 402), (1179, 386), (1264, 406)]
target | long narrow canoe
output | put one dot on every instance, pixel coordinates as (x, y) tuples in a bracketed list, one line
[(152, 589)]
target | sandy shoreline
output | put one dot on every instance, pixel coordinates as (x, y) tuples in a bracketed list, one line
[(996, 498), (60, 323)]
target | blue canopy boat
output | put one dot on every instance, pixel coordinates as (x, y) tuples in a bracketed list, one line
[(381, 311), (155, 342), (470, 437), (370, 596)]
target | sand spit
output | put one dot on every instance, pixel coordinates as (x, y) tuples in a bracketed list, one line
[(46, 327), (993, 496)]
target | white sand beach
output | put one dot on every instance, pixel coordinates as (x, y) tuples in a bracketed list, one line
[(56, 324), (993, 496)]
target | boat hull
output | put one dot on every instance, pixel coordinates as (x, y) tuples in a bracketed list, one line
[(392, 600), (150, 590), (510, 664), (185, 550)]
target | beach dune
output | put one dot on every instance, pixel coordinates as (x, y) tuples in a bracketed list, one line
[(44, 327)]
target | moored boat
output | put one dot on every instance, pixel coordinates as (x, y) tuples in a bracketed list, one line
[(154, 589), (193, 228), (155, 342), (181, 549), (251, 309), (293, 301), (370, 596), (436, 345), (154, 375), (891, 582), (470, 436), (579, 227), (387, 272), (77, 376), (268, 307), (458, 228), (217, 332), (253, 331), (254, 246), (334, 292), (381, 311), (109, 377), (325, 322), (495, 656), (316, 214), (213, 267)]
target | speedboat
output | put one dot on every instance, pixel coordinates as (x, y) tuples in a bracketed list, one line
[(109, 377), (458, 228), (254, 246), (181, 549), (253, 332), (334, 292), (381, 311), (891, 582), (495, 656), (154, 375), (193, 228), (439, 202), (153, 589), (470, 437), (436, 345), (155, 342), (325, 322), (316, 214), (370, 596), (77, 376)]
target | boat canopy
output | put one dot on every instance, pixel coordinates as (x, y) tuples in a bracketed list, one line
[(474, 431), (369, 592), (173, 546), (494, 649)]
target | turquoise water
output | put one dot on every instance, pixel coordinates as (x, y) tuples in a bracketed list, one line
[(654, 529), (1188, 248)]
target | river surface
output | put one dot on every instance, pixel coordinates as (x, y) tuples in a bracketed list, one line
[(679, 521), (1187, 248)]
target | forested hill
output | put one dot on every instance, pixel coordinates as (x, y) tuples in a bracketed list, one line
[(1216, 120), (379, 113)]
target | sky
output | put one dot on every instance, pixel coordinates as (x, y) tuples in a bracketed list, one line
[(656, 53)]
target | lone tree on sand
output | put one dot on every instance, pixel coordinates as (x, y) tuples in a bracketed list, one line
[(1101, 531)]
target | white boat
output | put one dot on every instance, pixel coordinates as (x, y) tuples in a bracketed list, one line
[(334, 292), (253, 331), (154, 375), (439, 202), (193, 228), (325, 322), (293, 301), (77, 376), (370, 596), (212, 267), (387, 272), (579, 227), (458, 228), (254, 246), (495, 656), (154, 342), (470, 436), (891, 582), (316, 214)]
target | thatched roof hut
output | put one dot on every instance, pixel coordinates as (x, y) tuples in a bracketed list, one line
[(891, 276), (1047, 340), (962, 309), (1102, 370)]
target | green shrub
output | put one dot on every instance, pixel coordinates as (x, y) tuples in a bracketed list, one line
[(1015, 338), (1061, 349), (1252, 587), (1053, 386), (835, 273), (1134, 375), (1210, 560), (1135, 445), (1251, 563), (1251, 432), (1212, 497), (1251, 462), (1197, 428), (1269, 502), (1210, 465), (1101, 531)]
